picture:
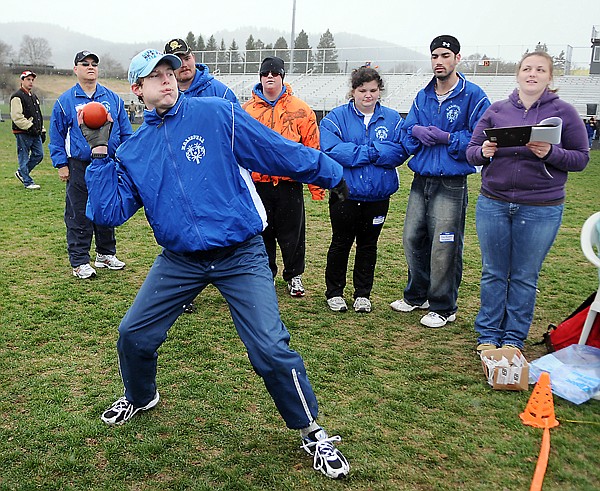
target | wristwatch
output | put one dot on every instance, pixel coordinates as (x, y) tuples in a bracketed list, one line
[(99, 155)]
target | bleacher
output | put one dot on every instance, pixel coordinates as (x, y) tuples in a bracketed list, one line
[(324, 92)]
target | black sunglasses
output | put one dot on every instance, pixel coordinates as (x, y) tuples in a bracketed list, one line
[(87, 63), (273, 74)]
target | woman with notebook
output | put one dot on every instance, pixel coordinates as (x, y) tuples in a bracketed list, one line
[(520, 206)]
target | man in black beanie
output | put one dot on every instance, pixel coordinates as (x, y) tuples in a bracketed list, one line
[(273, 104)]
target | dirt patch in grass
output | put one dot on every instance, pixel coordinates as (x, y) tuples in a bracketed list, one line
[(51, 86)]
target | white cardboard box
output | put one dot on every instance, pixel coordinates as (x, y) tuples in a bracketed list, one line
[(506, 369)]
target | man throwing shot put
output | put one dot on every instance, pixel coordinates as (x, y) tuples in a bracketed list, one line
[(187, 166)]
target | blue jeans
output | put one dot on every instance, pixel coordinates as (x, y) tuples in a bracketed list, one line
[(30, 153), (514, 240), (242, 276), (433, 240)]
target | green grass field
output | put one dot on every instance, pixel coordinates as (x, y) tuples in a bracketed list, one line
[(411, 404)]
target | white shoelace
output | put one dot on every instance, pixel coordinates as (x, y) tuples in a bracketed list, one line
[(324, 446)]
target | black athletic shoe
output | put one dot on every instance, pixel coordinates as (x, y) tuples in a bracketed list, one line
[(122, 410), (326, 458)]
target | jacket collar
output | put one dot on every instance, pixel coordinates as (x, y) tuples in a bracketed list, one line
[(153, 119), (202, 76), (376, 113), (546, 96), (462, 82), (258, 93), (79, 92)]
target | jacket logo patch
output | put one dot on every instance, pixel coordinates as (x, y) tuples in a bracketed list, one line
[(381, 133), (193, 146), (452, 112)]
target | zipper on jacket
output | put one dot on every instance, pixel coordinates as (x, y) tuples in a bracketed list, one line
[(189, 207)]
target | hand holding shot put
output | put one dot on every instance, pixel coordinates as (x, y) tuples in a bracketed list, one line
[(95, 123)]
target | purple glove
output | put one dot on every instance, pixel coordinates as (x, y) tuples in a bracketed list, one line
[(423, 134), (441, 137)]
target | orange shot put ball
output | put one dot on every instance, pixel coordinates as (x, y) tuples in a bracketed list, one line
[(94, 115)]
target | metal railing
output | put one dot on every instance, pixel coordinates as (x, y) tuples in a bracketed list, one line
[(492, 60)]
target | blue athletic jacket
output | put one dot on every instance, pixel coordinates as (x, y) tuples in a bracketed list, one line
[(189, 170), (369, 155), (66, 139), (458, 115), (205, 85)]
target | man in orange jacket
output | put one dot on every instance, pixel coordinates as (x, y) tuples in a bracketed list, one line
[(273, 104)]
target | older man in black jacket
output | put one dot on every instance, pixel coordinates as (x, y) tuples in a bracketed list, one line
[(28, 128)]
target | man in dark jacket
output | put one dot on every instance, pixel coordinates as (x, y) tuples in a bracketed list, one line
[(28, 128)]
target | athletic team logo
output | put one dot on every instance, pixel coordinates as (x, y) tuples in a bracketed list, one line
[(193, 146), (452, 112), (381, 133)]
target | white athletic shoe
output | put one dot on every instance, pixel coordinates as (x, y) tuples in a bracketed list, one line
[(403, 306), (362, 305), (84, 271), (337, 304), (108, 261), (433, 319), (295, 287)]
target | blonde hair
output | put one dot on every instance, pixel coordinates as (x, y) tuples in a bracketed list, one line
[(542, 54)]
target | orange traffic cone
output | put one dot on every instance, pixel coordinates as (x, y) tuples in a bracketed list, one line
[(539, 413)]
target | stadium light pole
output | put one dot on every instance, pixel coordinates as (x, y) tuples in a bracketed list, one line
[(293, 37)]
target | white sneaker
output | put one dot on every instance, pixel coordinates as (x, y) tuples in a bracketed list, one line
[(33, 186), (295, 287), (84, 271), (433, 319), (108, 261), (403, 306), (362, 304), (337, 304)]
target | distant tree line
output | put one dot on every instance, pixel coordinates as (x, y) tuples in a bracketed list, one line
[(231, 60), (35, 53)]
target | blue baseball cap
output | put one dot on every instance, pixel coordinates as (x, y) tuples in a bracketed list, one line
[(143, 63)]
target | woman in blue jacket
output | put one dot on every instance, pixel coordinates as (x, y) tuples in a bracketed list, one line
[(364, 137)]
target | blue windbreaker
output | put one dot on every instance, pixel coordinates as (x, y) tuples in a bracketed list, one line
[(189, 170), (205, 85), (458, 115), (369, 155), (66, 139)]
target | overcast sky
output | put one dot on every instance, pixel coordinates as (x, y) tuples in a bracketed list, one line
[(407, 23)]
